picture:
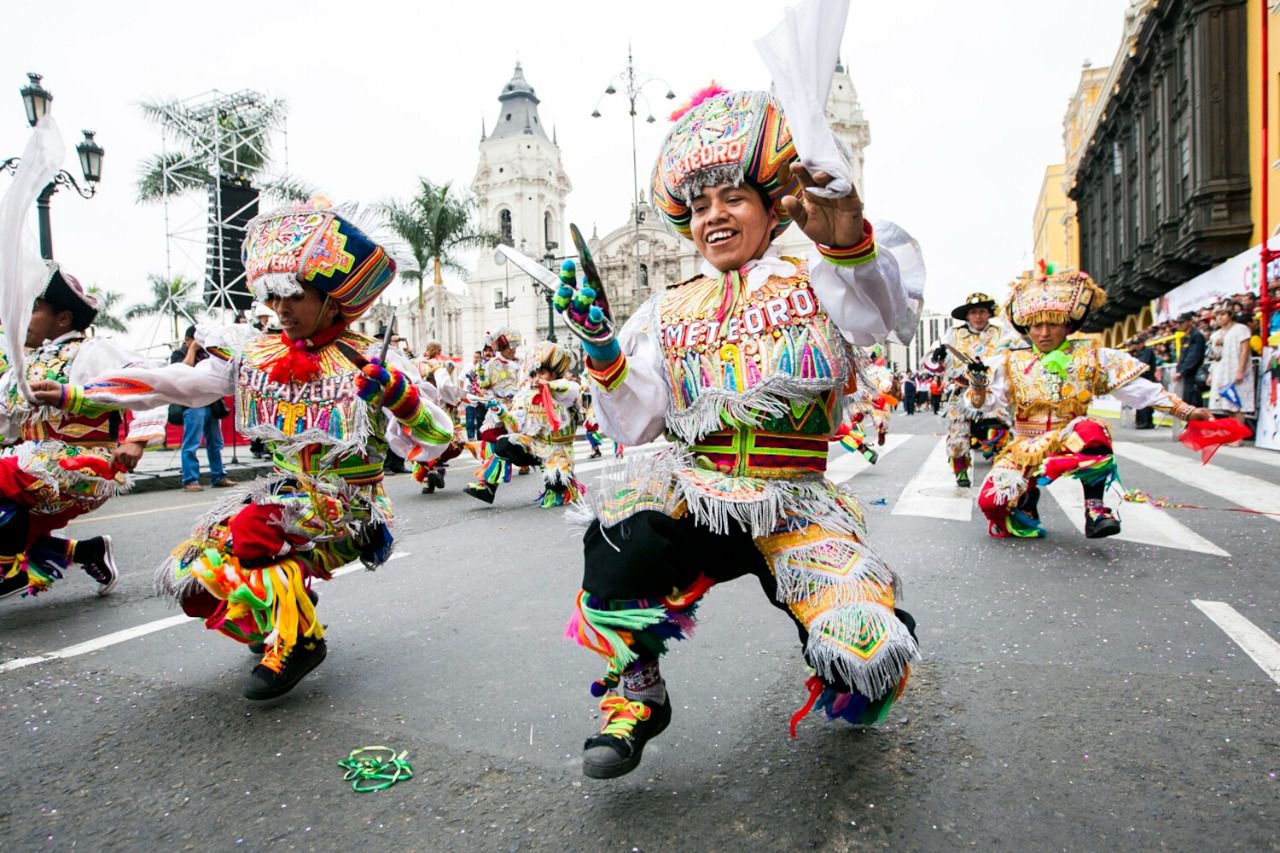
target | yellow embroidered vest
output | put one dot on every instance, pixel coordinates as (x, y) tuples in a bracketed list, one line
[(1042, 400), (773, 362)]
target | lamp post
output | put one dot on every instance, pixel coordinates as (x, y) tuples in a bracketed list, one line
[(633, 86), (36, 99)]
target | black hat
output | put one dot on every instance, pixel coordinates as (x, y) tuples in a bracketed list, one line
[(64, 293), (977, 299)]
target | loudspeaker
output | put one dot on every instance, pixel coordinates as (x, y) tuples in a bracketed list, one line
[(231, 205)]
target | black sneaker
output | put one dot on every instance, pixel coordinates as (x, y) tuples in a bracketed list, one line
[(870, 455), (259, 648), (1100, 522), (15, 585), (98, 560), (276, 676), (482, 491), (435, 478), (962, 479), (628, 726)]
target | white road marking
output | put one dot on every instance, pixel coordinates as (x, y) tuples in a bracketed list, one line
[(1141, 523), (933, 492), (851, 464), (1256, 643), (1251, 455), (91, 517), (140, 630), (1240, 489), (97, 643)]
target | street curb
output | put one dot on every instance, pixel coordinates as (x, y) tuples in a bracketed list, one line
[(172, 479)]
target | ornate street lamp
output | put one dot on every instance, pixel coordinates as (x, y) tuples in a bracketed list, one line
[(36, 100), (633, 87), (90, 153)]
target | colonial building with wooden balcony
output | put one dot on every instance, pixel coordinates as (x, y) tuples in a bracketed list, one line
[(1162, 190)]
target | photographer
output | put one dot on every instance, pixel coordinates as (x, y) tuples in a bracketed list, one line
[(200, 422)]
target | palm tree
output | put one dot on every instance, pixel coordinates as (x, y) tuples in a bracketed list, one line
[(243, 149), (108, 302), (173, 297), (435, 224)]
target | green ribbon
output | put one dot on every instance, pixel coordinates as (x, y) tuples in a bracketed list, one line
[(375, 768), (1057, 361)]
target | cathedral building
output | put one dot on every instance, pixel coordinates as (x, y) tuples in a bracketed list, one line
[(520, 186)]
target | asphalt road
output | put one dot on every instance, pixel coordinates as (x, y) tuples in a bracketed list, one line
[(1072, 696)]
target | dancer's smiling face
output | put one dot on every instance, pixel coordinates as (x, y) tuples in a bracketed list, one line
[(731, 225)]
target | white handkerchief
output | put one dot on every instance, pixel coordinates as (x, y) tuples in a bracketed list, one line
[(801, 53)]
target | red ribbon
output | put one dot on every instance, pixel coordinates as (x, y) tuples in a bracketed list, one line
[(548, 405)]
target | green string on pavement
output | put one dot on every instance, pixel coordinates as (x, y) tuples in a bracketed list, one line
[(375, 768)]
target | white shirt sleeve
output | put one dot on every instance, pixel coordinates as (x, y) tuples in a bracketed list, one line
[(401, 440), (99, 356), (865, 302), (634, 412)]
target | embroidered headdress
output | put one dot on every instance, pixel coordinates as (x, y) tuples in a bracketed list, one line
[(977, 299), (725, 137), (503, 338), (551, 356), (321, 246), (1053, 298)]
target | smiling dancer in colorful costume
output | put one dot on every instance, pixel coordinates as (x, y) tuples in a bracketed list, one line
[(977, 339), (328, 412), (541, 424), (68, 462), (1048, 384), (743, 367)]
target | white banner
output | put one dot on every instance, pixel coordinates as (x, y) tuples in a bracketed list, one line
[(1268, 434), (1237, 275)]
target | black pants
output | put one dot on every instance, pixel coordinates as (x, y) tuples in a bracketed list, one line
[(935, 402), (1144, 418), (1191, 391), (515, 453), (650, 554), (909, 401)]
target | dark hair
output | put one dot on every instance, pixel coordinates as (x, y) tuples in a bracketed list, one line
[(60, 297), (191, 332)]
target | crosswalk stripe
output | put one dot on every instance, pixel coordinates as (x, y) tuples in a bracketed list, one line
[(1141, 523), (1251, 455), (933, 492), (849, 465), (1256, 643), (1240, 489)]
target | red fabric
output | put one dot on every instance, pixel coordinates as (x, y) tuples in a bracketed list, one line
[(1093, 434), (995, 512), (1208, 436), (256, 534), (300, 362)]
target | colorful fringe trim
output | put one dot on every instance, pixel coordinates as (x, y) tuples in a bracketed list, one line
[(268, 605), (620, 631), (567, 494), (494, 469), (42, 565), (854, 708)]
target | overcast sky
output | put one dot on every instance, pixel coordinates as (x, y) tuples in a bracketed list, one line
[(965, 102)]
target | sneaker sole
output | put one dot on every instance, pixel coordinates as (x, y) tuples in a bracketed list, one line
[(280, 690), (1103, 533), (109, 560)]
